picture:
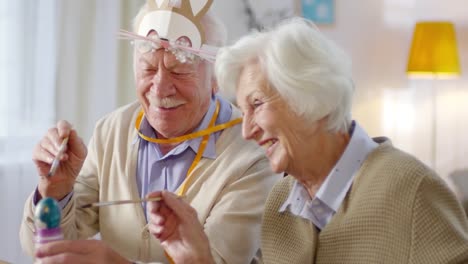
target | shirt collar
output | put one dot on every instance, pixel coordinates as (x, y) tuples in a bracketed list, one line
[(338, 181), (194, 144), (332, 192), (210, 151)]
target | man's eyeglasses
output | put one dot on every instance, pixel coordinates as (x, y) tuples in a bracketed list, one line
[(146, 46), (181, 48)]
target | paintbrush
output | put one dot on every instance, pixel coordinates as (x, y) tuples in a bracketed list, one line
[(152, 199), (56, 161)]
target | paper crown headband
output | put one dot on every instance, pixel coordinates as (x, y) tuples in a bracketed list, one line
[(178, 26), (173, 19)]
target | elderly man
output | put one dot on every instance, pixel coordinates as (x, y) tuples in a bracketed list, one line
[(180, 136)]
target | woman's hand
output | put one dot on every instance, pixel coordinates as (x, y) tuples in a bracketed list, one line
[(175, 223), (79, 252)]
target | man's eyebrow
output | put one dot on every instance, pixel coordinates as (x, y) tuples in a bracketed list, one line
[(173, 63)]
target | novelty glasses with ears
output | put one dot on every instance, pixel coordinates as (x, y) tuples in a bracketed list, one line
[(181, 48)]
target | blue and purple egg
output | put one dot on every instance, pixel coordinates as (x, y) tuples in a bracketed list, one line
[(47, 214)]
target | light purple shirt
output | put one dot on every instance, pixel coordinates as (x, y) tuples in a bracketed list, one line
[(157, 172), (332, 192)]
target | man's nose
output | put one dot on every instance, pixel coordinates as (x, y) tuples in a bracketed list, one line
[(163, 85)]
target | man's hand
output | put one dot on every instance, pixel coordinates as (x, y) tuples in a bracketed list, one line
[(61, 183), (79, 252), (175, 223)]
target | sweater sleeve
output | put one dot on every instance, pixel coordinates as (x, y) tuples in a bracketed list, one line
[(233, 225), (440, 227), (80, 223)]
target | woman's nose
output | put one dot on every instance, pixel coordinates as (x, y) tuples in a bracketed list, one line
[(249, 128)]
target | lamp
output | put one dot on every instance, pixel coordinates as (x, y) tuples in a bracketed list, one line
[(433, 55), (433, 51)]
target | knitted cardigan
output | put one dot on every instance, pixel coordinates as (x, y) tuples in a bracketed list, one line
[(397, 211)]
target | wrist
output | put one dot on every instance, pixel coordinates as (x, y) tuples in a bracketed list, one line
[(57, 193)]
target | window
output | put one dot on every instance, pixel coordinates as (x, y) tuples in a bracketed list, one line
[(27, 75)]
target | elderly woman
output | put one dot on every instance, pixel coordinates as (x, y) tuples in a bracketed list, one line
[(347, 198)]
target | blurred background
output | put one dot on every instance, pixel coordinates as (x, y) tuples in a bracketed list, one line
[(62, 60)]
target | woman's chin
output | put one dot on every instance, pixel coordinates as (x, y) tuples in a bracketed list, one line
[(276, 166)]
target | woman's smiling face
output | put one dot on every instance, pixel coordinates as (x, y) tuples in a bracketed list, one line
[(268, 119)]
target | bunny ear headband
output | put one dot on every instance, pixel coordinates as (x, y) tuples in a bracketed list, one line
[(178, 27)]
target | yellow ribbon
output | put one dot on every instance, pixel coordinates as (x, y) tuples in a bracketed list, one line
[(202, 133), (201, 149)]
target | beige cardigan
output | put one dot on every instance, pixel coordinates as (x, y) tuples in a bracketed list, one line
[(228, 193), (397, 211)]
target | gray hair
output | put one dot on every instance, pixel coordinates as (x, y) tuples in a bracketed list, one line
[(309, 71)]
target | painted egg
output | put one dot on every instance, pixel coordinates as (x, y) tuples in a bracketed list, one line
[(47, 213)]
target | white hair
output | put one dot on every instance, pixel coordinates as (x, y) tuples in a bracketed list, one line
[(309, 71)]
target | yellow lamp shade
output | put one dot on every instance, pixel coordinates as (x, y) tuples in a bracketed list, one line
[(433, 51)]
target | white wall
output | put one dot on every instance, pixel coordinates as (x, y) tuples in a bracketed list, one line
[(377, 35)]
